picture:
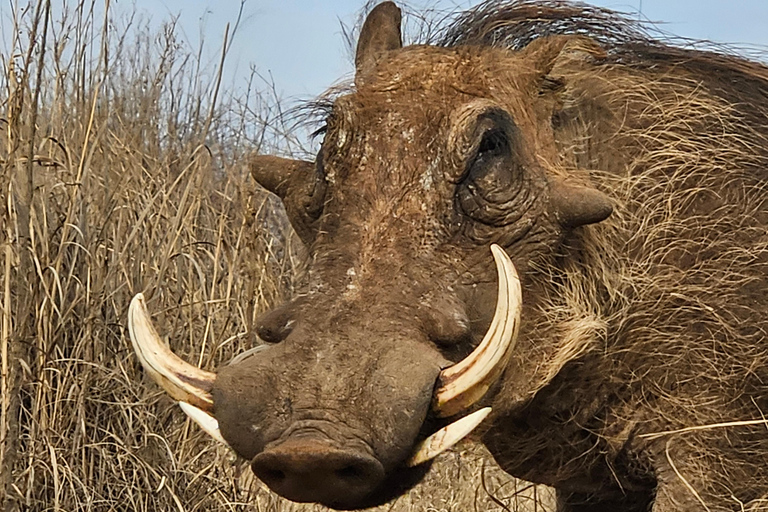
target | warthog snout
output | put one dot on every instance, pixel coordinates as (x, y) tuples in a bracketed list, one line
[(311, 469)]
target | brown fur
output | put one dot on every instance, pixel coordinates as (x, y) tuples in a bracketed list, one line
[(648, 322), (665, 301)]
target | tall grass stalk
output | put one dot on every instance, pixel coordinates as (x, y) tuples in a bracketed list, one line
[(111, 186)]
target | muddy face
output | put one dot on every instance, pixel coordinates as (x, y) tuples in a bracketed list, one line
[(434, 157), (401, 280)]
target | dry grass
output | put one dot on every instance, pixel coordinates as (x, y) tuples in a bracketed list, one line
[(120, 173)]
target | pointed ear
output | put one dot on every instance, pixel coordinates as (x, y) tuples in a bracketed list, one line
[(277, 174), (300, 186), (380, 34), (578, 205)]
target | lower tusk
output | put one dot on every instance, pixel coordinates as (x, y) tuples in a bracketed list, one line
[(464, 383), (178, 378), (204, 420), (446, 437)]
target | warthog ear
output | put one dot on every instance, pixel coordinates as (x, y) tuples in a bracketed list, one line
[(380, 33), (300, 186), (578, 205)]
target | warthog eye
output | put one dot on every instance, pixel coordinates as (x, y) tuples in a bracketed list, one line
[(274, 326), (494, 144), (490, 189)]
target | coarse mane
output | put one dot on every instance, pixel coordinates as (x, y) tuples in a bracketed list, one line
[(515, 24), (630, 42)]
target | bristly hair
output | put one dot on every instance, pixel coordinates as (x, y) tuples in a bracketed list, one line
[(514, 24), (627, 41), (311, 115)]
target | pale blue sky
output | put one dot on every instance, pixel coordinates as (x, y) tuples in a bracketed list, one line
[(299, 42)]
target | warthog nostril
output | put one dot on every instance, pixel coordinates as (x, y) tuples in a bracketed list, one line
[(310, 470), (272, 475), (350, 473)]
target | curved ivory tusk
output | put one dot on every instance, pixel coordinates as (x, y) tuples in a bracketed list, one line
[(204, 420), (178, 378), (464, 383), (446, 437)]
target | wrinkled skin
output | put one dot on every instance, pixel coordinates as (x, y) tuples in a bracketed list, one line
[(436, 154)]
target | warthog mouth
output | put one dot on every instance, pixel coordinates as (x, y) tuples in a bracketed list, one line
[(459, 387)]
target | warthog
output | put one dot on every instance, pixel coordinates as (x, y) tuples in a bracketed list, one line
[(625, 180)]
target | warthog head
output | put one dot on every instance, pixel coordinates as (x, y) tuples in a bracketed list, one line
[(434, 159)]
